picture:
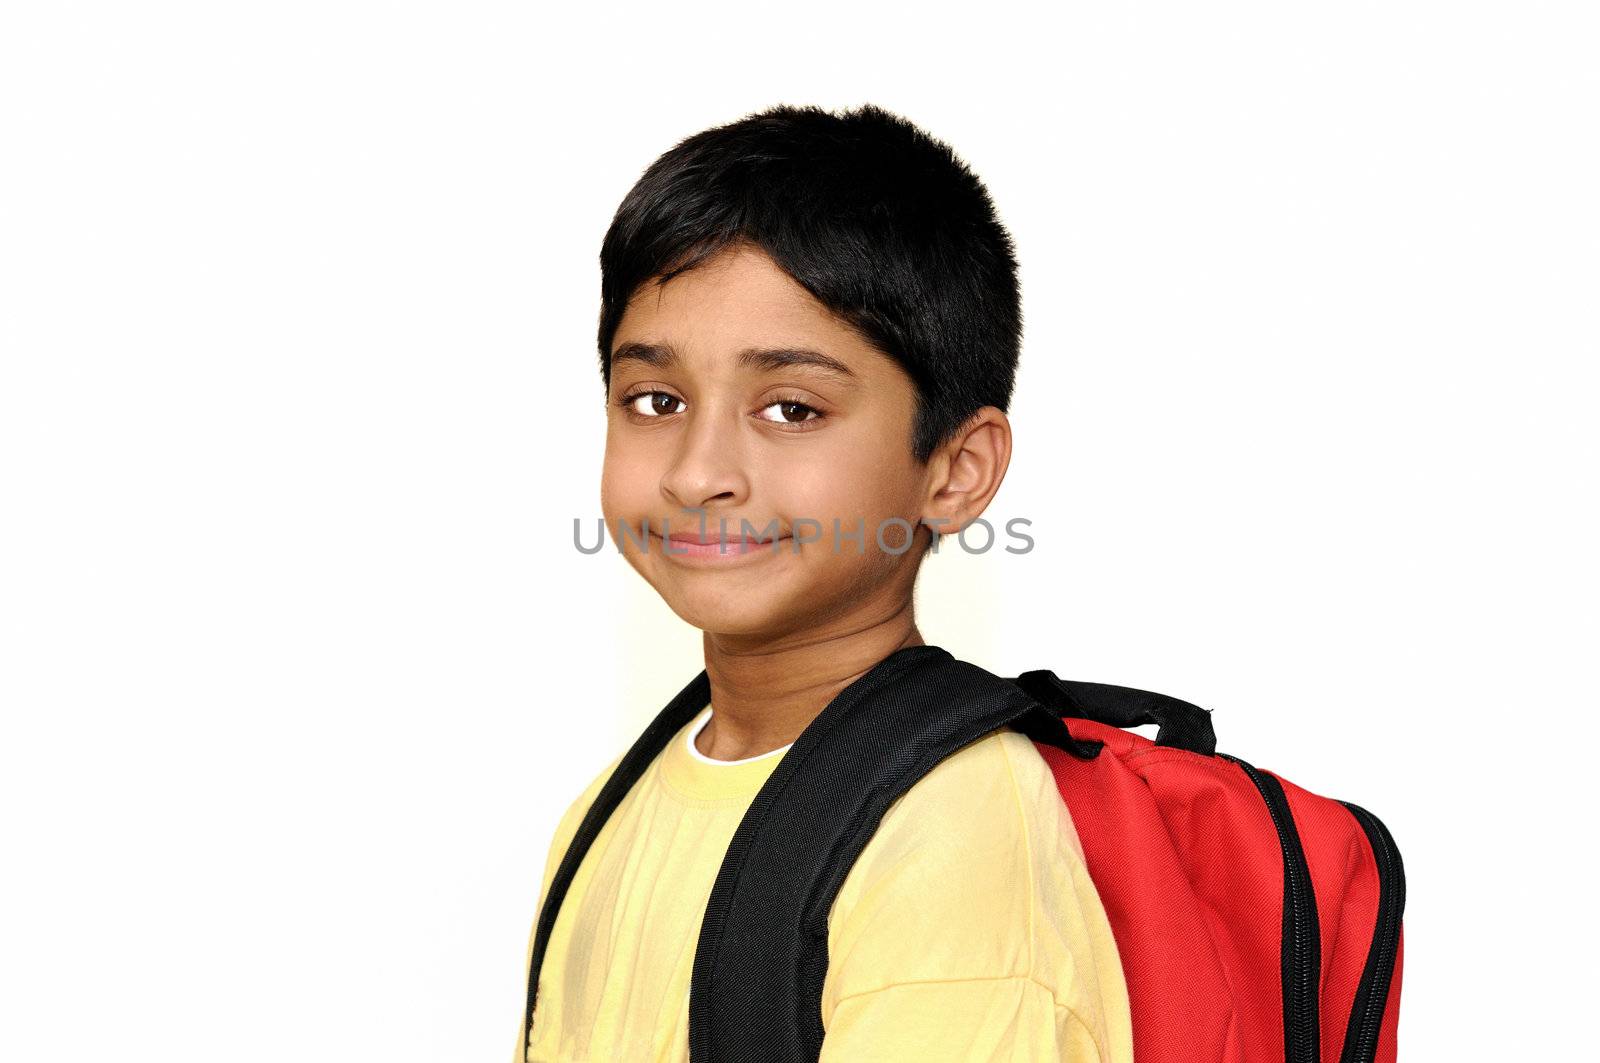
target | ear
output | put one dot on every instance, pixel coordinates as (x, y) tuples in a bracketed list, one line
[(967, 471)]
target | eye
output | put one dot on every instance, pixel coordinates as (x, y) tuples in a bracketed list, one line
[(792, 411), (654, 408)]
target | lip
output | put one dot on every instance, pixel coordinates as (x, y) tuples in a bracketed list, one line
[(707, 540), (696, 549)]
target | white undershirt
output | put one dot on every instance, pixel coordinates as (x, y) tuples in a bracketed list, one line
[(700, 725)]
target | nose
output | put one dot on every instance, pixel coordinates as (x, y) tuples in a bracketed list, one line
[(707, 466)]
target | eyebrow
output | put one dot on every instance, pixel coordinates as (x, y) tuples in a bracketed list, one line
[(764, 359)]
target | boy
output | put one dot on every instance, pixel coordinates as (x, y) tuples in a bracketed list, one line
[(809, 335)]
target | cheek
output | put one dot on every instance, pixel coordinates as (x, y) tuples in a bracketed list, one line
[(623, 484), (849, 484), (608, 494)]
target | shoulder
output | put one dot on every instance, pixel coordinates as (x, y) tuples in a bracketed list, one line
[(579, 807), (988, 809), (580, 804), (974, 874), (567, 826), (962, 840)]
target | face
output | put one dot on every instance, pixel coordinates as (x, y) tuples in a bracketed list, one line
[(719, 411)]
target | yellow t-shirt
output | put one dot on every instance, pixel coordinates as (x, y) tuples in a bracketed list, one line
[(968, 929)]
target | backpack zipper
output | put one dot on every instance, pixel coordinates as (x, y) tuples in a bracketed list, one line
[(1372, 992), (1301, 961)]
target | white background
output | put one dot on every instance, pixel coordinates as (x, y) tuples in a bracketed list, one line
[(299, 400)]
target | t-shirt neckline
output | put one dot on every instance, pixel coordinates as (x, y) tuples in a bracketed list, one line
[(693, 775), (699, 724)]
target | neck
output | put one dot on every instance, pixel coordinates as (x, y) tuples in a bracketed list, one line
[(763, 696)]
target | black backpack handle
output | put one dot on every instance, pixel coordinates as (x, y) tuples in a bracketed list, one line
[(1182, 725)]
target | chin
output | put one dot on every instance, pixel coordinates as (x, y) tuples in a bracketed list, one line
[(754, 627), (721, 615)]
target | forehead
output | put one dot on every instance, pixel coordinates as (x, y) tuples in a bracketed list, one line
[(738, 310)]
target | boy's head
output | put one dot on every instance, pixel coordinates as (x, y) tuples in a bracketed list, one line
[(806, 318)]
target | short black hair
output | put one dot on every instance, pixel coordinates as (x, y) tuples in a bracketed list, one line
[(880, 222)]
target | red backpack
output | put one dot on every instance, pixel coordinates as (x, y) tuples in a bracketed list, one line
[(1256, 922)]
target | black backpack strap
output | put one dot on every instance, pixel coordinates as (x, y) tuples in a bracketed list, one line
[(1182, 725), (679, 711), (762, 954)]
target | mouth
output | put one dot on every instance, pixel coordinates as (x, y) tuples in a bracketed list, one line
[(684, 546)]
